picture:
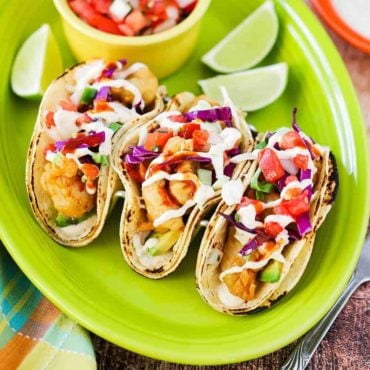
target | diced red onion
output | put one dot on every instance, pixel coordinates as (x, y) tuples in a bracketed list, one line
[(233, 152), (304, 174), (211, 115), (304, 224), (103, 93)]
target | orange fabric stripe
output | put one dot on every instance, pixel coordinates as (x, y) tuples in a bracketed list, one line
[(12, 355)]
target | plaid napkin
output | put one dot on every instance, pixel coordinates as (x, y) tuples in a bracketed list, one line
[(34, 334)]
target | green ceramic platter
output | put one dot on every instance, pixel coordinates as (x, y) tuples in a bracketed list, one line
[(167, 319)]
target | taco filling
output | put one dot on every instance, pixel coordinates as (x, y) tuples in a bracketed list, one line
[(272, 213), (180, 164), (101, 98)]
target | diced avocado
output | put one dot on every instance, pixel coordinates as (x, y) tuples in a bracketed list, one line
[(63, 221), (88, 95), (165, 241), (272, 272), (205, 176)]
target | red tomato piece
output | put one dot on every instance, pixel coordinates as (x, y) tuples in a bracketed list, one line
[(66, 104), (200, 138), (270, 165), (157, 139), (301, 161), (91, 141), (297, 205), (102, 6), (91, 171), (188, 129), (178, 118), (126, 30), (136, 21), (273, 229), (281, 210), (256, 203), (49, 119), (291, 178), (291, 140), (90, 15)]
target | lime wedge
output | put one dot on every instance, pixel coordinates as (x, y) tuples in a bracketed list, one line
[(247, 44), (37, 63), (249, 90)]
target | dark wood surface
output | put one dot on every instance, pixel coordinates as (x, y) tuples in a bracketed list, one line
[(346, 346)]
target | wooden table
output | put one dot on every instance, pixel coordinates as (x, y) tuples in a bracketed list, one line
[(347, 345)]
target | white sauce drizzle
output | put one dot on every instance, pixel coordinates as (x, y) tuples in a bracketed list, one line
[(232, 192)]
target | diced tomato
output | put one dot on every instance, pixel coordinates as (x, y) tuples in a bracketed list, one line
[(270, 165), (101, 105), (273, 229), (178, 118), (136, 21), (188, 9), (157, 139), (256, 203), (85, 118), (102, 6), (126, 30), (66, 104), (200, 138), (136, 171), (298, 205), (50, 147), (290, 178), (281, 210), (291, 140), (91, 171), (49, 119), (90, 15), (301, 161), (188, 129)]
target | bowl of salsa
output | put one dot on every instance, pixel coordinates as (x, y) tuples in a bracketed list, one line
[(159, 33)]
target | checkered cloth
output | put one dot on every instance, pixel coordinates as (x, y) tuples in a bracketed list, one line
[(34, 334)]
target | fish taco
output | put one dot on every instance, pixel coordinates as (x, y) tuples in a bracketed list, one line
[(173, 169), (260, 239), (69, 178)]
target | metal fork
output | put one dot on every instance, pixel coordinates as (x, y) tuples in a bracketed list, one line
[(301, 355)]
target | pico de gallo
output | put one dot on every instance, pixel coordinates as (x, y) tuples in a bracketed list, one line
[(271, 213), (179, 165), (132, 17), (101, 98)]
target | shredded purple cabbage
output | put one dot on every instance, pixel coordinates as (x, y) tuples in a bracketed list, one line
[(254, 244), (229, 169), (59, 145), (103, 93), (281, 182), (211, 115), (237, 224), (304, 224), (140, 154), (108, 72), (233, 152)]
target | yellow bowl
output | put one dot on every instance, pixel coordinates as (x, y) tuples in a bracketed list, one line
[(163, 52)]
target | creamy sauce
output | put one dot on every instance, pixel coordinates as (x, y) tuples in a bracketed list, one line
[(173, 213), (226, 298), (232, 192), (144, 257), (247, 216), (162, 175), (356, 13)]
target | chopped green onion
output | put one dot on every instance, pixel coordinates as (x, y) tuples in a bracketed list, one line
[(115, 126), (88, 95)]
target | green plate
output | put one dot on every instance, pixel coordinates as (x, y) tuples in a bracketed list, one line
[(167, 319)]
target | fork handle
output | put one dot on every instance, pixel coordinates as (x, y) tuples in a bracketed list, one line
[(302, 353)]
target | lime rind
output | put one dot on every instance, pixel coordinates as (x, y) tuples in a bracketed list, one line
[(37, 63), (249, 90), (247, 44)]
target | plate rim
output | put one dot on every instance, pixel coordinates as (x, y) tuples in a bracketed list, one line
[(134, 345)]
